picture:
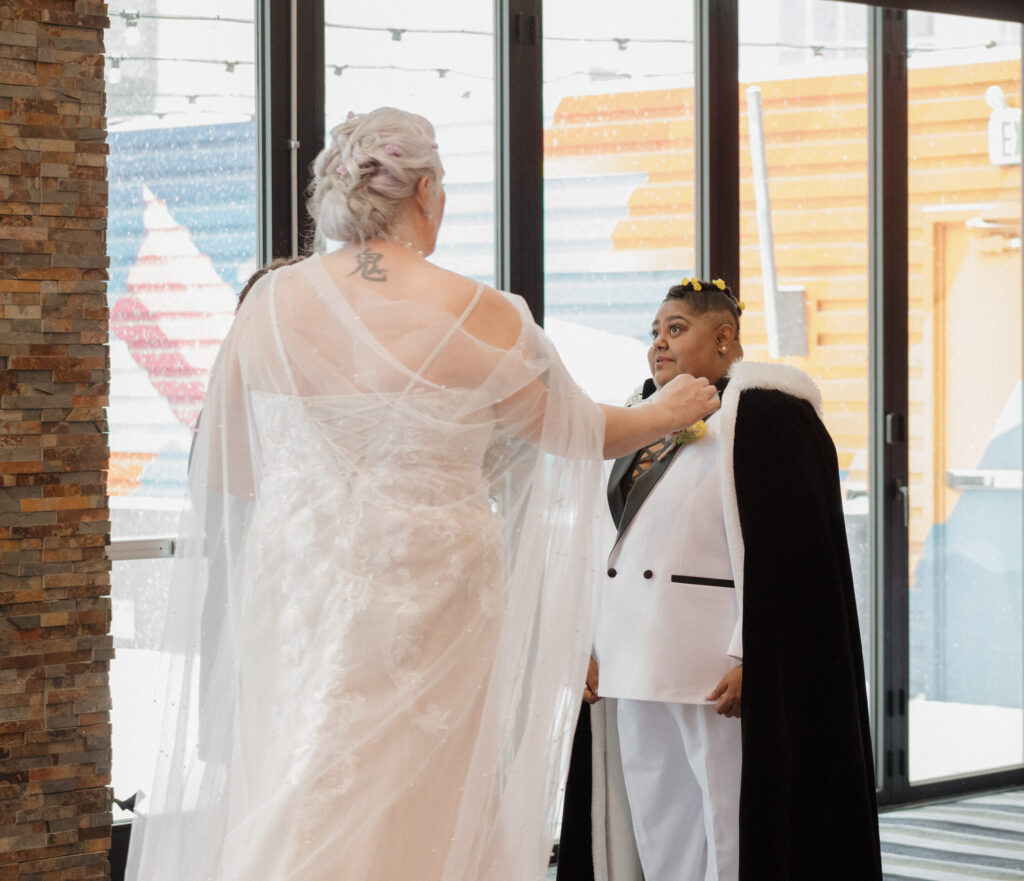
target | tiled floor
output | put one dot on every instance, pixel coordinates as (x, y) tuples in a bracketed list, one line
[(974, 838), (968, 840)]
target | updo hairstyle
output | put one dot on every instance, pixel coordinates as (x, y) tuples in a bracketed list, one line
[(708, 296), (372, 162)]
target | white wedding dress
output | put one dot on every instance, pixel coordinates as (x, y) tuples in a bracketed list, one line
[(382, 601)]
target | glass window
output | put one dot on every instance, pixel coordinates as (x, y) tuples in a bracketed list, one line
[(436, 60), (618, 180), (139, 590), (966, 567), (804, 226), (182, 238)]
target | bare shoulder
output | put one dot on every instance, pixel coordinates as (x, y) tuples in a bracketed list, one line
[(495, 319)]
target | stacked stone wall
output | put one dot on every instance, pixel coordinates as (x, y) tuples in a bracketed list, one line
[(55, 647)]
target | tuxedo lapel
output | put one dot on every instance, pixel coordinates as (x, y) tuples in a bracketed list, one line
[(642, 487), (622, 466), (616, 497)]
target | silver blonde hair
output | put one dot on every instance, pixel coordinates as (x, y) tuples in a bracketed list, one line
[(371, 164)]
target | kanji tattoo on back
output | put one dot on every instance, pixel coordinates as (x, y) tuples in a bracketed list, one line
[(368, 263)]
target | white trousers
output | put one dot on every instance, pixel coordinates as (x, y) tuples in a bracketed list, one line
[(681, 764)]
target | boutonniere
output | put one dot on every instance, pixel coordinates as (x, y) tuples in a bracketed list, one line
[(684, 436)]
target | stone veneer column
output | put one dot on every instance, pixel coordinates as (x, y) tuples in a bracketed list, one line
[(55, 646)]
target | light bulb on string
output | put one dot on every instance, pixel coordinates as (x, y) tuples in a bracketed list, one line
[(114, 75), (132, 36)]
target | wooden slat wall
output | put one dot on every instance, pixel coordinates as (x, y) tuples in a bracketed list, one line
[(817, 157)]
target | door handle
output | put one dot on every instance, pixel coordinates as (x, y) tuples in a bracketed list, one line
[(903, 491)]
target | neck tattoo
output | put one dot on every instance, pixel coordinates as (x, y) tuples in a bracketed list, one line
[(368, 264)]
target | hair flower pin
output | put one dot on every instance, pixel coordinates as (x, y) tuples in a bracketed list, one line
[(719, 283), (741, 306), (392, 149), (696, 284), (685, 436)]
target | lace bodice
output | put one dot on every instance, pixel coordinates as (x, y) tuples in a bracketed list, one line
[(399, 446)]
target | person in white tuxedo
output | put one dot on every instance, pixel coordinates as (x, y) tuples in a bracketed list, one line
[(669, 639), (727, 637)]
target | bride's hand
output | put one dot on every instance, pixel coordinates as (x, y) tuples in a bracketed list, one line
[(676, 405), (686, 399)]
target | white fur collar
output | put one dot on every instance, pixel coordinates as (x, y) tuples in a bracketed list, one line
[(783, 377)]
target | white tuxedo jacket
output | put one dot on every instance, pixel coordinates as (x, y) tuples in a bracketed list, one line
[(669, 625)]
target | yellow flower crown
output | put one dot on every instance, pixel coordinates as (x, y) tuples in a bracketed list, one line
[(696, 284)]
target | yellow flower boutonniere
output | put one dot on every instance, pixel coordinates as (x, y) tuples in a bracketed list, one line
[(685, 436)]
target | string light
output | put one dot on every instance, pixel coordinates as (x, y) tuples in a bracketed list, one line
[(131, 28), (132, 19), (114, 76), (229, 65)]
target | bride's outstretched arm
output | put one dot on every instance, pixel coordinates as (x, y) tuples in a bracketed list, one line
[(678, 404), (499, 323)]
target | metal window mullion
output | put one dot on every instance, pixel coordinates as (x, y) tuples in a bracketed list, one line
[(716, 139), (274, 132), (889, 278), (519, 151), (310, 111)]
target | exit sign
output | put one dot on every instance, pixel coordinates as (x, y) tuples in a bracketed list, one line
[(1004, 136)]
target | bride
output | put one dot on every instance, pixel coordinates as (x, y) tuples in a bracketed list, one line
[(382, 595)]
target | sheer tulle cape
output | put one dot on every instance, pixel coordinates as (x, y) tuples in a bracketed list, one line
[(382, 599)]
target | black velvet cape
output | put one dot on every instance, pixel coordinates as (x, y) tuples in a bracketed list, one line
[(807, 803)]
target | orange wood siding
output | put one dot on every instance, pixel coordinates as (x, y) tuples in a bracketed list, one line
[(817, 158)]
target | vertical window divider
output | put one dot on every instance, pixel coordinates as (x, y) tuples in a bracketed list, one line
[(888, 188), (273, 90), (291, 118), (716, 139), (519, 153), (310, 111)]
